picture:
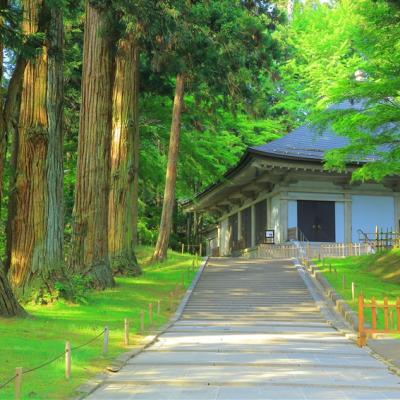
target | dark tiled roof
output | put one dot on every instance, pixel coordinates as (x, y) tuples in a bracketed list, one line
[(305, 143)]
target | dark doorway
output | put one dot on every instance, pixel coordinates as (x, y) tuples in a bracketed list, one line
[(316, 219)]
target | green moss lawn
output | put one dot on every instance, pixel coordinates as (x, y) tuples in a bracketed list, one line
[(374, 275), (29, 342)]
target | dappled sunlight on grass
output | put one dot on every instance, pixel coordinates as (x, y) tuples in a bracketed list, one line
[(32, 341)]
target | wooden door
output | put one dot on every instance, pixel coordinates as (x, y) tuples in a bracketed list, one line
[(316, 219)]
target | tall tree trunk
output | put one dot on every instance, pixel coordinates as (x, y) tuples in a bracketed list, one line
[(9, 306), (160, 252), (90, 232), (3, 133), (35, 247), (54, 162), (123, 199)]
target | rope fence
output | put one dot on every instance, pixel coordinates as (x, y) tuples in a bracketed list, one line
[(186, 277)]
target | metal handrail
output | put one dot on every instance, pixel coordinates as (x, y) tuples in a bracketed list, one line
[(366, 238)]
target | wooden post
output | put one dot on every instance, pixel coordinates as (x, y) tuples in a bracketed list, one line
[(361, 334), (126, 328), (201, 249), (183, 248), (18, 382), (391, 320), (142, 321), (105, 340), (67, 360), (353, 292), (150, 313), (158, 307), (386, 313), (373, 312)]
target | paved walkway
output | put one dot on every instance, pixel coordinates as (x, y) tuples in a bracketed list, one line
[(252, 331)]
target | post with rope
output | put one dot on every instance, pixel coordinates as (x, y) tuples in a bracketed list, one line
[(67, 360), (18, 382), (126, 330), (105, 340)]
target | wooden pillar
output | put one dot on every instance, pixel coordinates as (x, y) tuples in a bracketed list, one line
[(283, 217), (239, 218), (347, 218), (253, 225)]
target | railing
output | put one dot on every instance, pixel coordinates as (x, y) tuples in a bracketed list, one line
[(380, 239), (388, 319), (307, 250), (192, 248)]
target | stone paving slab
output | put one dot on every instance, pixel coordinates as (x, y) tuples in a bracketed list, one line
[(315, 360), (294, 374), (150, 392), (252, 331)]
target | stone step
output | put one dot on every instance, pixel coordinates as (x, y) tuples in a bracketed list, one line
[(294, 359), (239, 375), (156, 391)]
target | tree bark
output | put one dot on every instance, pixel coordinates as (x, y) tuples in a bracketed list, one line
[(54, 162), (160, 252), (9, 306), (3, 134), (123, 198), (36, 218), (90, 231)]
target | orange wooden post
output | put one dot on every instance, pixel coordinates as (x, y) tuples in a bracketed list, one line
[(398, 313), (361, 333), (386, 313), (373, 312), (391, 319)]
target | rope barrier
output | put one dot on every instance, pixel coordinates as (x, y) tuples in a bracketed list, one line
[(7, 382), (24, 372)]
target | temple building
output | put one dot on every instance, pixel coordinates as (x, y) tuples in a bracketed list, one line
[(280, 191)]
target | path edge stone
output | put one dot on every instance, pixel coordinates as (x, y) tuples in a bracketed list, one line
[(341, 306), (87, 388)]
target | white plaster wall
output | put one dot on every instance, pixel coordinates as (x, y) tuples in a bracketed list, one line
[(292, 213), (339, 222), (224, 238), (275, 217), (371, 211)]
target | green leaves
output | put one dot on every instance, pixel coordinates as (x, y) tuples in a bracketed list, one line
[(348, 52)]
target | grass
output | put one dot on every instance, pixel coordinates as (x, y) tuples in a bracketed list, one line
[(29, 342), (373, 275)]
